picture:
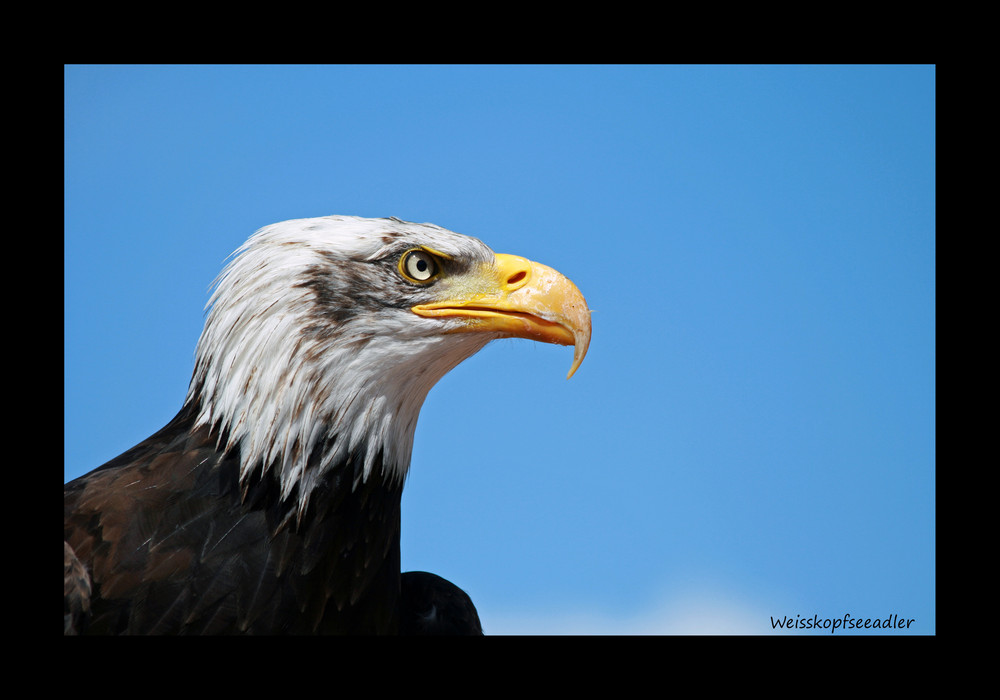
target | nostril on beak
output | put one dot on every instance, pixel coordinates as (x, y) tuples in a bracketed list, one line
[(517, 277)]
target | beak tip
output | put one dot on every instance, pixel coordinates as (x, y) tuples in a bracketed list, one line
[(579, 351)]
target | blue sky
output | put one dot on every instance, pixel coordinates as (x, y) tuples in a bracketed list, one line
[(752, 434)]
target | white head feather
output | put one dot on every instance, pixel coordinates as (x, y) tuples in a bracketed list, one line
[(310, 352)]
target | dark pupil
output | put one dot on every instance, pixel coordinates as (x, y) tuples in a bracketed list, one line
[(422, 265)]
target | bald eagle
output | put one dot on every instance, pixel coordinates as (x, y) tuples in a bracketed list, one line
[(270, 504)]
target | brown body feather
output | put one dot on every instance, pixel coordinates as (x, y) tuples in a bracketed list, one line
[(173, 546)]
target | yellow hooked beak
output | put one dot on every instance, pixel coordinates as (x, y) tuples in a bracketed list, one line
[(518, 298)]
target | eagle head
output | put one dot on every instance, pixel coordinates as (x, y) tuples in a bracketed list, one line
[(324, 336)]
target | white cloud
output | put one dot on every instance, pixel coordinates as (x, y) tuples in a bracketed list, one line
[(677, 614)]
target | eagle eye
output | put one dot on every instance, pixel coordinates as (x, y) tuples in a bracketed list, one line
[(418, 265)]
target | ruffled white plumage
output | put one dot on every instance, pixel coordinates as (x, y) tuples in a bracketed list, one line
[(298, 387)]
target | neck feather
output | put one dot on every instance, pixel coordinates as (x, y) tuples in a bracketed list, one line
[(300, 390)]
